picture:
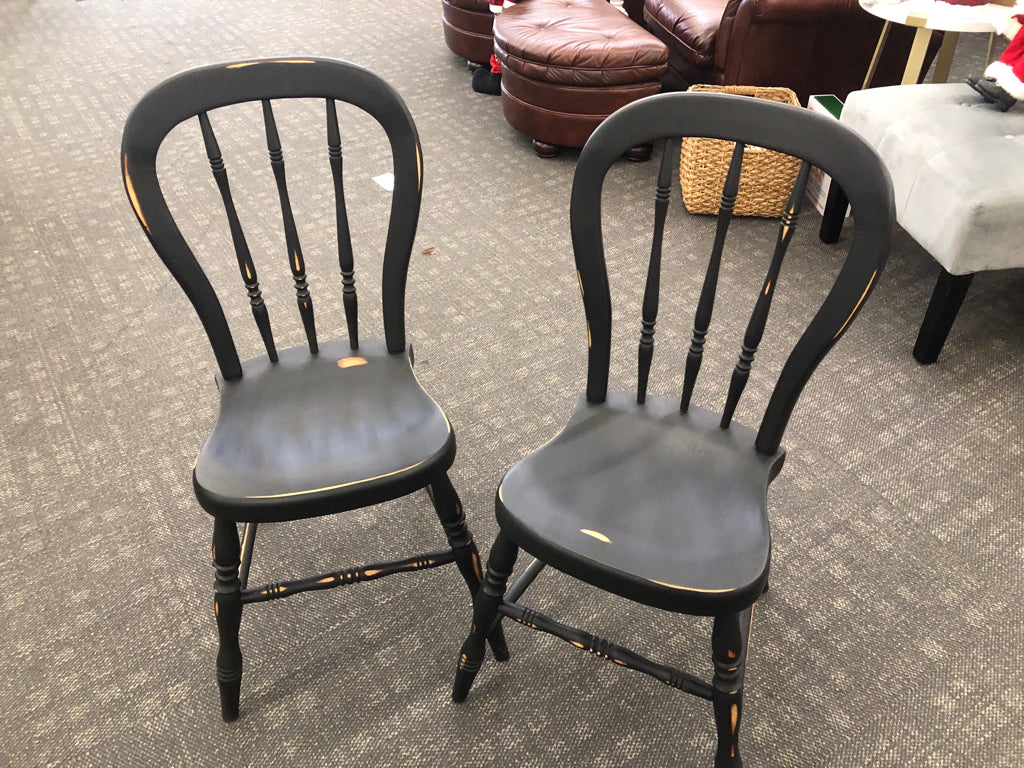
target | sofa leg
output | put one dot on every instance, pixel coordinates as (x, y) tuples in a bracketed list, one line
[(545, 150), (938, 319)]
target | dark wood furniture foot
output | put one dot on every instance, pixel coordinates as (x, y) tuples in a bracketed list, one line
[(640, 153), (834, 216), (938, 318), (545, 150)]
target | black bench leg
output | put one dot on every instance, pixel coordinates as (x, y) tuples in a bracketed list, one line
[(938, 319), (834, 216)]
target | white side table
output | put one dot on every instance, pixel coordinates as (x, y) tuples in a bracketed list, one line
[(928, 16)]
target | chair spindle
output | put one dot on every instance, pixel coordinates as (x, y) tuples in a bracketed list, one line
[(759, 317), (652, 289), (245, 264), (706, 302), (348, 280), (291, 235)]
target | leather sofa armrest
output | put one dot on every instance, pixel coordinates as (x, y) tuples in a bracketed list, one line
[(742, 16), (635, 10)]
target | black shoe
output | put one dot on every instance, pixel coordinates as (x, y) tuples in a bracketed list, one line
[(485, 81), (992, 92)]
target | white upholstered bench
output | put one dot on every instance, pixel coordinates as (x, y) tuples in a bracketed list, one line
[(957, 166)]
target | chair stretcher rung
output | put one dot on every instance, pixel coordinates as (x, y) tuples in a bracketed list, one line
[(524, 581), (607, 650), (341, 578)]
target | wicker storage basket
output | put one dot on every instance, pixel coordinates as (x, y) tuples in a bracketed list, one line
[(767, 176)]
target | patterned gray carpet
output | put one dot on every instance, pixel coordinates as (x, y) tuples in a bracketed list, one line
[(892, 634)]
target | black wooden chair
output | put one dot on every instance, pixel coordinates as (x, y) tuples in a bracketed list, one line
[(652, 498), (321, 428)]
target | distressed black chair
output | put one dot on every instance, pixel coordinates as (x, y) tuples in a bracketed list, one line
[(328, 426), (652, 498)]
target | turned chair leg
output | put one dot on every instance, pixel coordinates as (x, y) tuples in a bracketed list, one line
[(449, 511), (227, 603), (729, 654), (938, 318), (485, 611)]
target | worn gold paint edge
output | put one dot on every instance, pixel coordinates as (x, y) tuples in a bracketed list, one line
[(690, 589), (132, 196), (857, 305), (241, 64)]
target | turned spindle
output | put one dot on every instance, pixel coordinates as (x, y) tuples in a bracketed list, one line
[(759, 317), (345, 260), (650, 306), (291, 234), (244, 257), (706, 303)]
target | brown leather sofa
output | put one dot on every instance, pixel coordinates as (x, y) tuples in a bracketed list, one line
[(811, 46)]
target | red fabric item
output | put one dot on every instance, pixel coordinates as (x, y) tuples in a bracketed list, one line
[(495, 65), (1013, 56), (1008, 71)]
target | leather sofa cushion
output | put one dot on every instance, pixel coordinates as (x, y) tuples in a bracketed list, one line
[(577, 42), (693, 24)]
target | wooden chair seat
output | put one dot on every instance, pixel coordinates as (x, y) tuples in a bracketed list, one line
[(316, 434), (661, 507)]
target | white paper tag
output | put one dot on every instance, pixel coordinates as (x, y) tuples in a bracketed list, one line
[(386, 180)]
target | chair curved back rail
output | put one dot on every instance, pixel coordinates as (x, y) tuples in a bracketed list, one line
[(819, 142), (195, 94)]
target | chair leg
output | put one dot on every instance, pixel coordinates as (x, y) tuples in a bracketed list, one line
[(227, 603), (729, 654), (938, 318), (248, 543), (485, 611), (467, 558)]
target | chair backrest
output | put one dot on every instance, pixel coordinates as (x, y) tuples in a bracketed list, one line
[(195, 93), (818, 141)]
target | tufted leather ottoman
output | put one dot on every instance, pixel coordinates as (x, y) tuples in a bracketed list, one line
[(468, 29), (568, 64)]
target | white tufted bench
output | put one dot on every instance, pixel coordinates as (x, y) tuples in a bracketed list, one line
[(957, 166)]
